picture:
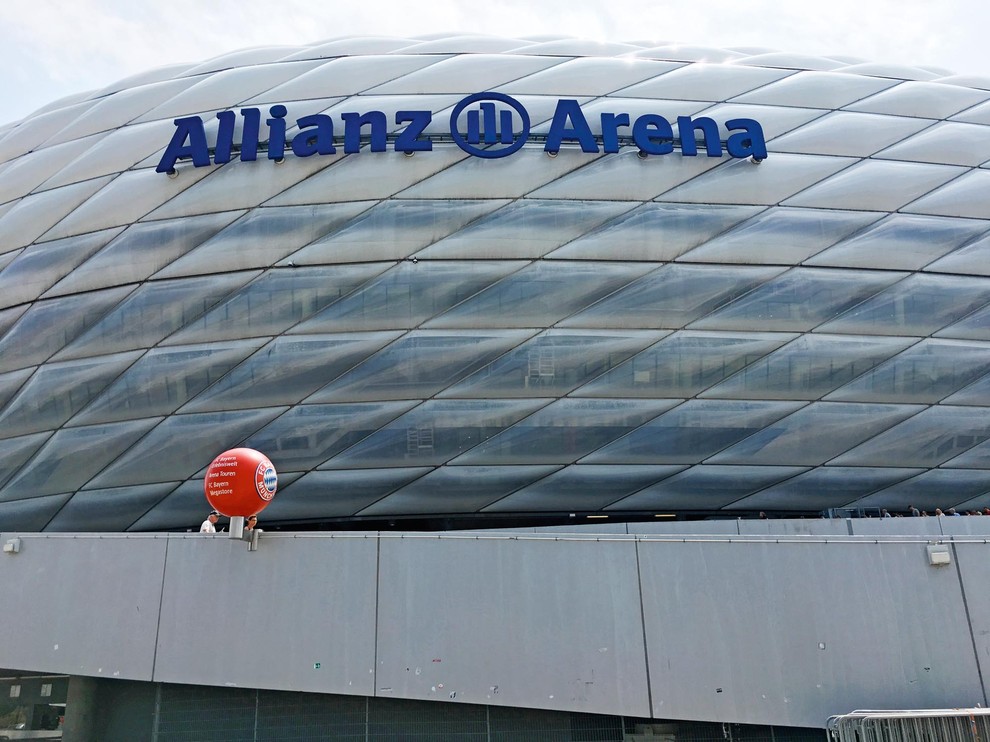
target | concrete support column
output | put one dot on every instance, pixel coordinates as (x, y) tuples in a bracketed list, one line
[(81, 708)]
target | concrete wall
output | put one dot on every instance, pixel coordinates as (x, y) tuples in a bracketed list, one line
[(786, 628)]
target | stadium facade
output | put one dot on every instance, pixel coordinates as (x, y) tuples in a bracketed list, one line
[(491, 278)]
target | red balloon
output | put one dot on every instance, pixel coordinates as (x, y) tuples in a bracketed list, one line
[(241, 482)]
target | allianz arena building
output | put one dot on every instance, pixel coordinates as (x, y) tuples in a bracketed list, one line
[(477, 280)]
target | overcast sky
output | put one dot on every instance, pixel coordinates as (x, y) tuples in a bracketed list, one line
[(53, 48)]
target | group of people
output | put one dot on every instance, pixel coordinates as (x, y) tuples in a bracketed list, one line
[(912, 510), (210, 524)]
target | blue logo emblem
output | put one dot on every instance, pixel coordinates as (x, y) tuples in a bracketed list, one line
[(489, 126)]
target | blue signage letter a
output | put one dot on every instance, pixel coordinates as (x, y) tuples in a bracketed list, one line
[(569, 110), (190, 129)]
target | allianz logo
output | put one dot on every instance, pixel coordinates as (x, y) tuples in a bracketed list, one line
[(488, 125)]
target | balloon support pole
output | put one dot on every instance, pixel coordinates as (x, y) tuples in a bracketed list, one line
[(237, 526)]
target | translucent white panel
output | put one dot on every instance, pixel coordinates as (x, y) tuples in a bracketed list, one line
[(369, 176), (31, 514), (34, 215), (582, 487), (140, 251), (657, 232), (349, 46), (529, 228), (976, 115), (107, 510), (692, 432), (965, 196), (849, 134), (706, 487), (151, 313), (815, 434), (769, 183), (419, 365), (50, 325), (11, 382), (543, 293), (974, 394), (564, 431), (119, 150), (287, 370), (9, 316), (72, 456), (977, 457), (919, 305), (976, 326), (553, 363), (508, 177), (931, 489), (307, 435), (814, 89), (124, 200), (23, 175), (163, 380), (947, 143), (274, 302), (922, 99), (435, 432), (249, 58), (863, 186), (799, 300), (393, 230), (780, 235), (972, 259), (147, 77), (624, 176), (688, 53), (31, 132), (683, 365), (705, 82), (809, 367), (794, 61), (930, 438), (408, 294), (239, 185), (7, 258), (465, 75), (261, 238), (586, 76), (37, 267), (575, 48), (180, 446), (120, 108), (14, 452), (319, 495), (901, 243), (898, 71), (349, 76), (227, 89), (465, 44), (925, 373), (671, 297), (57, 391), (823, 488), (457, 489), (774, 120)]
